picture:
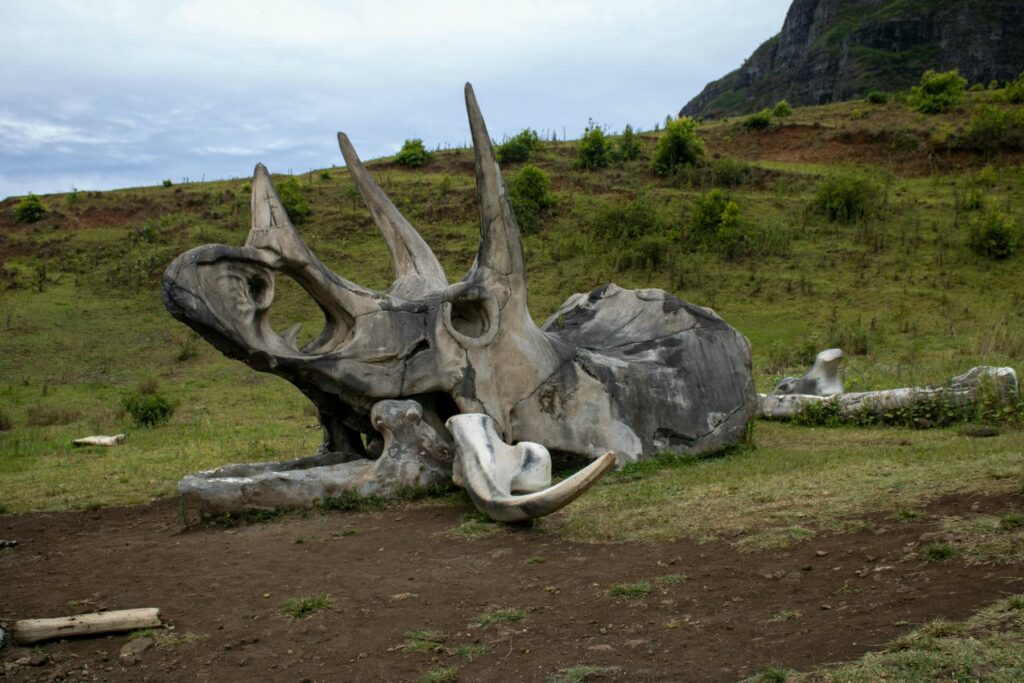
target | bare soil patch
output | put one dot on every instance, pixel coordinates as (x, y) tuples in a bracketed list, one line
[(711, 613)]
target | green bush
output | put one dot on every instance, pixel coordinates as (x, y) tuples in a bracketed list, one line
[(758, 121), (782, 109), (938, 92), (846, 198), (167, 182), (994, 236), (629, 221), (716, 225), (629, 145), (5, 421), (729, 172), (147, 407), (595, 149), (679, 145), (30, 209), (293, 200), (1014, 90), (530, 194), (991, 129), (413, 154), (876, 97), (518, 148)]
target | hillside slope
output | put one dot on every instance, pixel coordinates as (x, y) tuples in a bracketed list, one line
[(835, 50)]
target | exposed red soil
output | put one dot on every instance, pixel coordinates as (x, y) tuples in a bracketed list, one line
[(399, 570)]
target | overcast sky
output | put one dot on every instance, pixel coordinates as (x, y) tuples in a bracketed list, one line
[(106, 94)]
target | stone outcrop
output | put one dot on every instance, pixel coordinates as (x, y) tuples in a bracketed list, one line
[(834, 50)]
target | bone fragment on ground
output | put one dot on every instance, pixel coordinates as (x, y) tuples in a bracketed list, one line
[(963, 391), (28, 631), (821, 380), (491, 471), (99, 440), (414, 455)]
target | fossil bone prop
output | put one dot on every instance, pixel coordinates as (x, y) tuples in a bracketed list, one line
[(626, 372)]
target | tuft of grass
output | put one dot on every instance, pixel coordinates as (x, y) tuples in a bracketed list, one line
[(582, 672), (300, 608), (423, 641), (671, 579), (771, 674), (535, 560), (471, 650), (507, 615), (785, 615), (629, 590), (1012, 520), (475, 525), (441, 674), (939, 552)]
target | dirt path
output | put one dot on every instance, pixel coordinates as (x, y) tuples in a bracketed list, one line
[(400, 570)]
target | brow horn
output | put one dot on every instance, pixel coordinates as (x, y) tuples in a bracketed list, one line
[(417, 270)]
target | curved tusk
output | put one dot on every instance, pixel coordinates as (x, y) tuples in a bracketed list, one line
[(489, 469), (411, 255)]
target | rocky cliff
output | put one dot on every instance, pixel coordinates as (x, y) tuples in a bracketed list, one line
[(832, 50)]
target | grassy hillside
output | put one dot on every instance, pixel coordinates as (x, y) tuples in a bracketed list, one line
[(900, 289)]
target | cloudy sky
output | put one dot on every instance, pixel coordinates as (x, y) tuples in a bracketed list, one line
[(108, 93)]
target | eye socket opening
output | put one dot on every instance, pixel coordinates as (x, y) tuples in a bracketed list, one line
[(472, 322), (260, 290)]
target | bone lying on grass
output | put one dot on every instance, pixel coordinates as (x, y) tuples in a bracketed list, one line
[(100, 440), (963, 392)]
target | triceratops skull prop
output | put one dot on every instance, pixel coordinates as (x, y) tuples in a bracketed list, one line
[(615, 371)]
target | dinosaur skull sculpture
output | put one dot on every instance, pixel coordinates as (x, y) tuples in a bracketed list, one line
[(628, 372)]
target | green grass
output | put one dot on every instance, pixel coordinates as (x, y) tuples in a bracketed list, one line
[(441, 674), (423, 641), (785, 615), (985, 646), (507, 615), (629, 590), (300, 608)]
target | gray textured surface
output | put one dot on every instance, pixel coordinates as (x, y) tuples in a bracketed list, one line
[(633, 372)]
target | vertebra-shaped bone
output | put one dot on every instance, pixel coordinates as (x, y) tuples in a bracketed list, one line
[(491, 470), (821, 380)]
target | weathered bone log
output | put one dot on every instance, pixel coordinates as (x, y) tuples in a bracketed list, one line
[(632, 372), (28, 631), (99, 440), (491, 471), (962, 391), (821, 380)]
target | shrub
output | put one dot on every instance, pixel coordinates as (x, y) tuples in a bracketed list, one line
[(938, 92), (782, 109), (679, 145), (594, 150), (413, 154), (293, 200), (629, 146), (876, 97), (30, 209), (716, 224), (325, 175), (974, 200), (1014, 90), (991, 129), (167, 182), (758, 121), (147, 407), (530, 194), (5, 421), (729, 172), (846, 198), (519, 147), (629, 221), (994, 236)]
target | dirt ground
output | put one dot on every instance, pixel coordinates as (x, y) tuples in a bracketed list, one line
[(828, 599)]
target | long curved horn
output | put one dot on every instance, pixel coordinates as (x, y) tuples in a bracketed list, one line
[(488, 468), (416, 268), (501, 248)]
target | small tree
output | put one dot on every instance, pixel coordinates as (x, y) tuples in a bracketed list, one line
[(759, 120), (594, 150), (782, 109), (629, 146), (30, 209), (938, 92), (293, 200), (994, 236), (678, 146), (518, 148), (846, 198), (413, 154), (530, 194), (1014, 90)]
